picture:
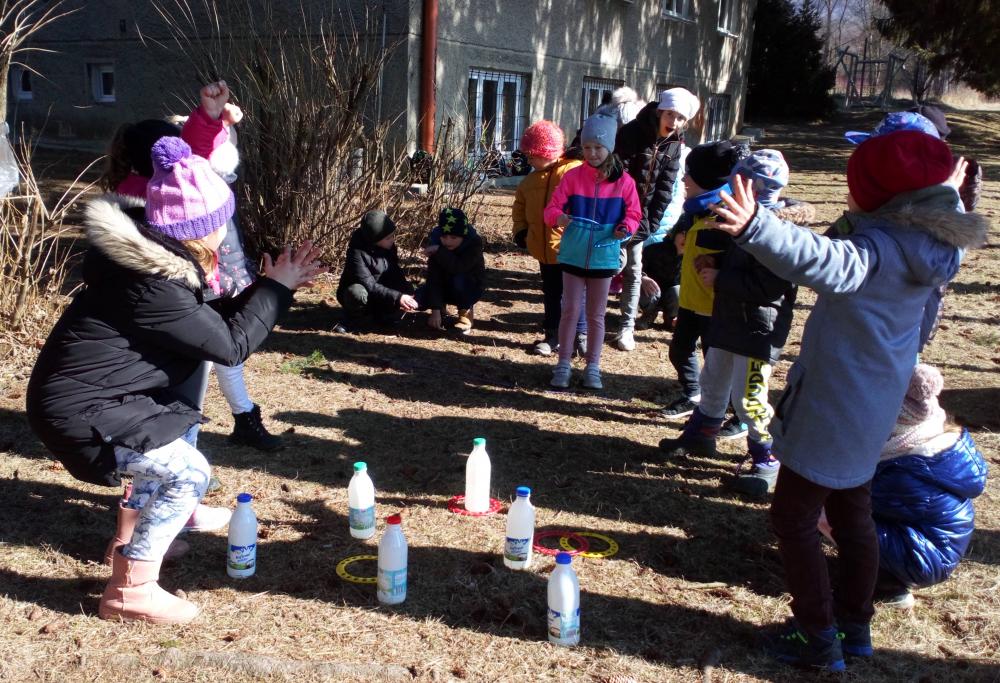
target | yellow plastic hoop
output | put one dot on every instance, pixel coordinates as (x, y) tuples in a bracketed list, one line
[(347, 576), (612, 549)]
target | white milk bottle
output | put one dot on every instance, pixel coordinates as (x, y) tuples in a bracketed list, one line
[(242, 560), (520, 531), (477, 478), (564, 603), (392, 563), (361, 503)]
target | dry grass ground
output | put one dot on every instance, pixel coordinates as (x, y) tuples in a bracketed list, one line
[(696, 575)]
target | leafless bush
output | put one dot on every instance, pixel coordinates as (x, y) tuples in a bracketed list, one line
[(36, 256), (314, 157)]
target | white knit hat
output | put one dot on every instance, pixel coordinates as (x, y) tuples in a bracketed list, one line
[(681, 100)]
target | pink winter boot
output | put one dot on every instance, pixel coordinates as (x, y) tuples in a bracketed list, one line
[(132, 594), (124, 527)]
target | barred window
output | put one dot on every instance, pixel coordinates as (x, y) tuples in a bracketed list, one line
[(498, 110)]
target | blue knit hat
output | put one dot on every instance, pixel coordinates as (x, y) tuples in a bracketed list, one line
[(768, 171), (600, 129), (893, 123)]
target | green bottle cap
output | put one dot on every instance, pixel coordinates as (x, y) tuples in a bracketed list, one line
[(360, 466), (479, 441)]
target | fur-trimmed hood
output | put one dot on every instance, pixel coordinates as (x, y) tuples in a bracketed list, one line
[(935, 211), (118, 237)]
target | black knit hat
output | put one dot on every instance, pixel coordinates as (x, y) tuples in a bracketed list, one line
[(935, 116), (376, 226), (710, 165), (453, 222), (139, 139)]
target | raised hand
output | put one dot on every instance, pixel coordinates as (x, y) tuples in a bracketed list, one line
[(735, 211), (231, 114), (957, 176), (214, 97), (295, 268)]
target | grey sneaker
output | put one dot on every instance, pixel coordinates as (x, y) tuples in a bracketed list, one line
[(625, 341), (592, 376), (560, 375), (759, 479)]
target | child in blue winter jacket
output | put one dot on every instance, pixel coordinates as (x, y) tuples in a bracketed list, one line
[(929, 472), (844, 391)]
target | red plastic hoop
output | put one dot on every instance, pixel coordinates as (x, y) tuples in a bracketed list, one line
[(583, 545), (455, 505)]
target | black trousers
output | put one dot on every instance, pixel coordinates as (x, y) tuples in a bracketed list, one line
[(683, 352)]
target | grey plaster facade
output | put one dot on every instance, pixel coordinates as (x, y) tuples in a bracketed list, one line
[(527, 60)]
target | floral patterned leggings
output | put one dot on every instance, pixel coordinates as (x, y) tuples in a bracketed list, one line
[(167, 483)]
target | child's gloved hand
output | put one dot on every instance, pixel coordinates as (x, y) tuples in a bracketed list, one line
[(521, 239), (213, 98), (434, 321), (231, 114), (564, 220)]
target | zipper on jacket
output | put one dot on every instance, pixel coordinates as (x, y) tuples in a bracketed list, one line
[(593, 217)]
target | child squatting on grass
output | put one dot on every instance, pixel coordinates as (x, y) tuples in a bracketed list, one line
[(103, 396), (456, 270), (597, 206), (844, 391)]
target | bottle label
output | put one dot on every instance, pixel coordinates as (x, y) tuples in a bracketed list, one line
[(564, 626), (392, 582), (242, 557), (361, 518), (517, 549)]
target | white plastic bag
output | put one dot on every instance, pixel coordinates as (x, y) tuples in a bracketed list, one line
[(9, 175)]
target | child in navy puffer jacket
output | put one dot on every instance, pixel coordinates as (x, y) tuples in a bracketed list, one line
[(922, 494)]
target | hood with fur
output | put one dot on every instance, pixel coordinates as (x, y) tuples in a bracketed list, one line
[(118, 237)]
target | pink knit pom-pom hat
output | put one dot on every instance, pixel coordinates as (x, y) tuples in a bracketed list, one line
[(543, 139), (185, 199)]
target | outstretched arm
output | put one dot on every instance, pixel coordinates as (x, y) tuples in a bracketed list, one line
[(798, 255)]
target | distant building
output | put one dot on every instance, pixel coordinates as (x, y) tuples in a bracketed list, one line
[(499, 64)]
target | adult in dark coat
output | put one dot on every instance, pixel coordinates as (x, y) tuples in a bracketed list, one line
[(373, 284), (102, 396), (650, 147)]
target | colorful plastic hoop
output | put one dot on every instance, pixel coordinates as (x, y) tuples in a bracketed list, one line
[(347, 576), (582, 542), (612, 548), (455, 505)]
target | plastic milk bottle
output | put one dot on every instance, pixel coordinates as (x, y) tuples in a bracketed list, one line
[(242, 560), (361, 502), (392, 563), (520, 531), (564, 603), (477, 478)]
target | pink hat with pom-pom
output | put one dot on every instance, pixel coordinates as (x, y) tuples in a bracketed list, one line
[(543, 139), (185, 199), (921, 418)]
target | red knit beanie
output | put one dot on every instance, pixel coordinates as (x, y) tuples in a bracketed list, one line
[(887, 165), (543, 139)]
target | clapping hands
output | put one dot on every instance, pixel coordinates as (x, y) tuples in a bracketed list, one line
[(295, 268)]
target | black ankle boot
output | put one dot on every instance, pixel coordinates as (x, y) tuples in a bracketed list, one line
[(249, 430)]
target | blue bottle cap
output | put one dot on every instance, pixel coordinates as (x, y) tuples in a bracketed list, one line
[(523, 491), (479, 441), (563, 558), (244, 498), (360, 466)]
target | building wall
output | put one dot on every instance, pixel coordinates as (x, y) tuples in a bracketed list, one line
[(554, 44)]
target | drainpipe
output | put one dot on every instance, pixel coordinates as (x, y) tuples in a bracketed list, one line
[(428, 74)]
